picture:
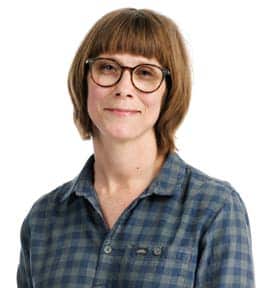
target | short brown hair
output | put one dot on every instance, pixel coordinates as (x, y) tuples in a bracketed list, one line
[(140, 32)]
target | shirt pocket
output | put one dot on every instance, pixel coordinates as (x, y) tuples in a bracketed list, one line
[(155, 266)]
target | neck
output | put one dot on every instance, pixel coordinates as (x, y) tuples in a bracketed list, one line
[(125, 167)]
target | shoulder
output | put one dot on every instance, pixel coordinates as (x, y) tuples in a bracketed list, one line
[(48, 203), (212, 195), (208, 185)]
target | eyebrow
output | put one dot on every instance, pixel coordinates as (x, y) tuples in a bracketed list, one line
[(141, 62)]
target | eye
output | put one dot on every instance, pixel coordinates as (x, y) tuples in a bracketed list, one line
[(108, 67), (147, 72), (105, 66), (144, 72)]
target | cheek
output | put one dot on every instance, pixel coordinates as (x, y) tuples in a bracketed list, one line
[(94, 97), (153, 101)]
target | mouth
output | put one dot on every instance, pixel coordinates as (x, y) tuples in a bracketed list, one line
[(122, 112)]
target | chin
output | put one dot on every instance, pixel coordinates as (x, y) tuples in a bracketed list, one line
[(122, 134)]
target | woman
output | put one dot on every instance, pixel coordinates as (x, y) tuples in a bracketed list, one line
[(137, 215)]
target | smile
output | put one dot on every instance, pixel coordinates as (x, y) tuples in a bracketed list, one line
[(122, 112)]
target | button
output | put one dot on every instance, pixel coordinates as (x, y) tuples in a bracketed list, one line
[(142, 251), (107, 249), (157, 251), (107, 242)]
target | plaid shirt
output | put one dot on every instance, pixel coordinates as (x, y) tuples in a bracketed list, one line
[(187, 229)]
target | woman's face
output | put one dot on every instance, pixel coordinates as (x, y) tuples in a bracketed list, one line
[(124, 126)]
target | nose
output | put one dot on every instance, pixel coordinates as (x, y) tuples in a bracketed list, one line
[(125, 85)]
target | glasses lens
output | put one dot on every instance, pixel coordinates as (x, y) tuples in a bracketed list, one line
[(147, 77), (105, 72)]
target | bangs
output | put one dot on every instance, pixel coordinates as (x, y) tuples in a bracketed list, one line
[(134, 33)]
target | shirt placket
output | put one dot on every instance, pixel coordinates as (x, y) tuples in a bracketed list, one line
[(111, 251)]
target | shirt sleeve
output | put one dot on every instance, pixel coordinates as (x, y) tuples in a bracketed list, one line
[(226, 252), (23, 271)]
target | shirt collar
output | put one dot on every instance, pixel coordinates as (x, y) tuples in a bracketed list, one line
[(170, 180)]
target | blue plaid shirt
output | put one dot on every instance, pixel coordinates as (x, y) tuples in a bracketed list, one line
[(187, 229)]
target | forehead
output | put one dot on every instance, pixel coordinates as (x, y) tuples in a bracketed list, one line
[(130, 59)]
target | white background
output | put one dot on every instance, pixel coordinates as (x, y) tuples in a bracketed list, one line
[(222, 134)]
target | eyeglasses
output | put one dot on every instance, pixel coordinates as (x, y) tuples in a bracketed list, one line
[(107, 72)]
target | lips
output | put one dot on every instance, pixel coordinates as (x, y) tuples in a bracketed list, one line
[(121, 110)]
